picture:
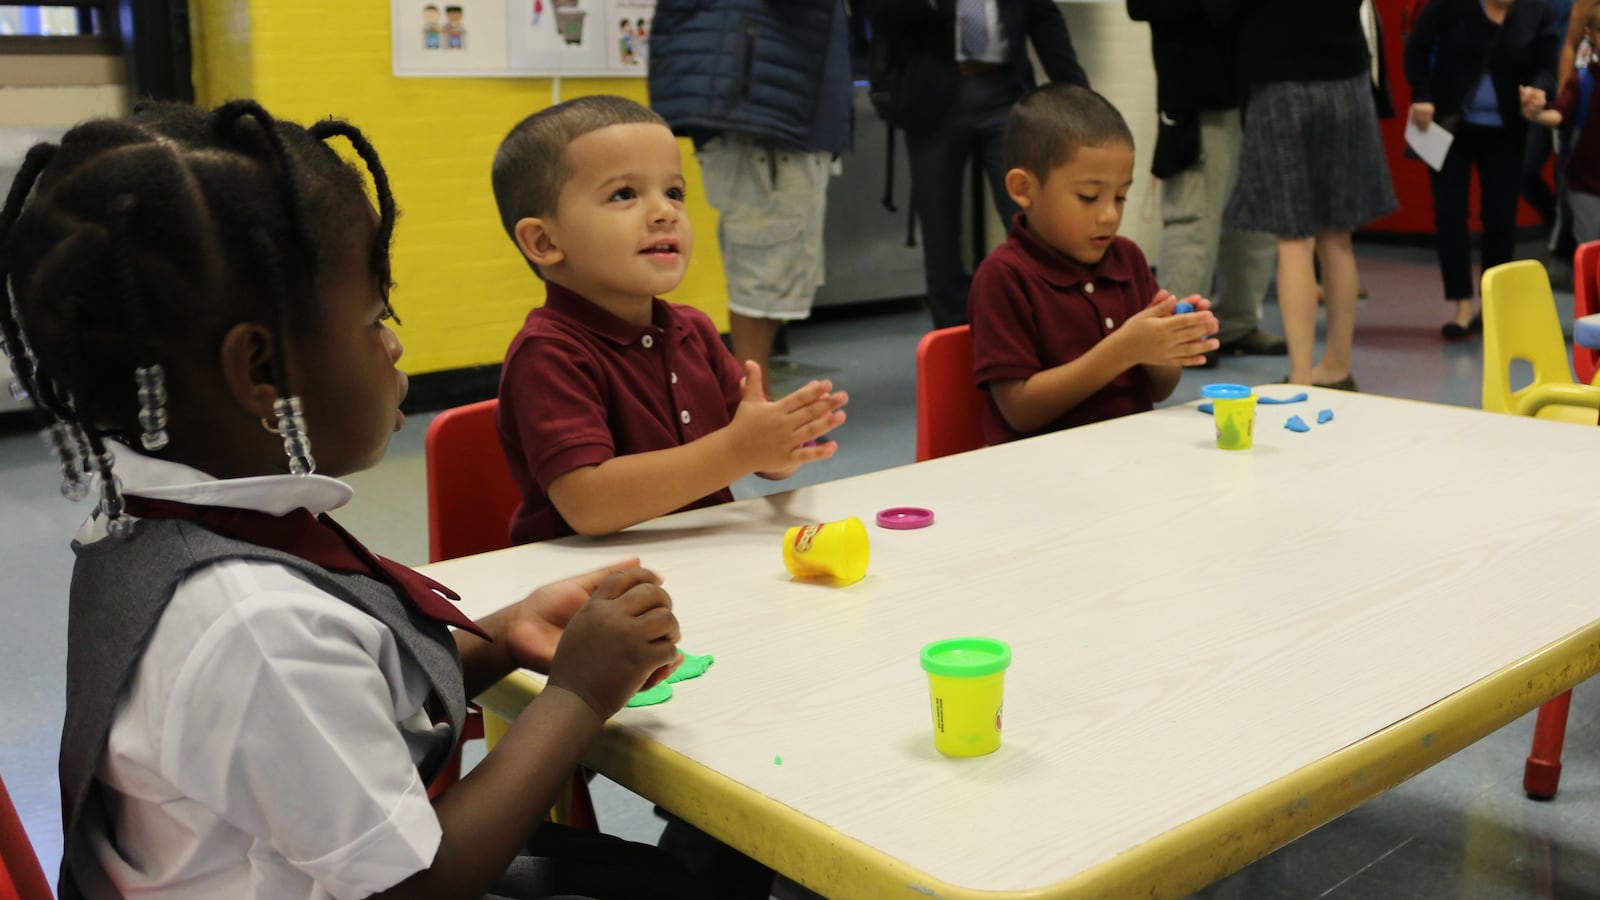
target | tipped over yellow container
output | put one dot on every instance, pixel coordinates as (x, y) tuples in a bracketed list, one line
[(966, 687), (831, 551)]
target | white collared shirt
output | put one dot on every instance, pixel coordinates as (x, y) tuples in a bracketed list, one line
[(260, 752)]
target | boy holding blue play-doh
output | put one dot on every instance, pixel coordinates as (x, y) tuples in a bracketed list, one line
[(1068, 324), (615, 406)]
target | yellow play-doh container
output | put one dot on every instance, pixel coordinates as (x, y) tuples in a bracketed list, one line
[(830, 551), (1234, 408), (966, 689)]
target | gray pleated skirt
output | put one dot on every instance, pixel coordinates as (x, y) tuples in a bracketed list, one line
[(1312, 159)]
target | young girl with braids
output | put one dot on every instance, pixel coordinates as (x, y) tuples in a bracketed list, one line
[(255, 702)]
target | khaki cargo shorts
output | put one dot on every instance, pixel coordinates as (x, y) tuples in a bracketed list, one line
[(771, 227)]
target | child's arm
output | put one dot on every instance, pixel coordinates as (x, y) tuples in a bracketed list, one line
[(617, 642), (1152, 337), (1163, 380), (764, 436)]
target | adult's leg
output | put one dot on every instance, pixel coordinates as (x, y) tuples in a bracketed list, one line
[(1340, 283), (1451, 238), (937, 159), (1536, 149), (989, 114), (1191, 225), (1499, 170), (752, 338), (1297, 298), (1244, 259)]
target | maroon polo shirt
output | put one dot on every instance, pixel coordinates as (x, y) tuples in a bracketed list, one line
[(581, 386), (1032, 309)]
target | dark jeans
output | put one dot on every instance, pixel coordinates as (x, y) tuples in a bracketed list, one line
[(572, 864), (726, 873), (1538, 192), (973, 128), (1497, 155)]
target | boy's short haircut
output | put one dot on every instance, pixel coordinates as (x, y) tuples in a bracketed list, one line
[(1049, 123), (530, 168)]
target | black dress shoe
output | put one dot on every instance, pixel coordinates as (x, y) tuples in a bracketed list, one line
[(1256, 342), (1347, 383), (1455, 331)]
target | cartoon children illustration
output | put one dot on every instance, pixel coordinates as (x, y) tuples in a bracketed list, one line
[(455, 35), (626, 42), (641, 43), (430, 27), (538, 10)]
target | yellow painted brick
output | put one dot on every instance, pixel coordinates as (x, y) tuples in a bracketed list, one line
[(462, 289)]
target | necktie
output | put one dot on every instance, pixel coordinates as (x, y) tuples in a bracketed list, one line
[(318, 540), (973, 26)]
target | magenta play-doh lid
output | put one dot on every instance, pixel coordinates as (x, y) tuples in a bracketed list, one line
[(905, 518)]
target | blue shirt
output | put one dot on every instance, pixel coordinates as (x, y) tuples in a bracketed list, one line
[(1483, 107)]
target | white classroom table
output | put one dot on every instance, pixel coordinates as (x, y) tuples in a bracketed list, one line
[(1214, 651)]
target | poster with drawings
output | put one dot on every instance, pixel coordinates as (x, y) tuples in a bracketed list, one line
[(449, 37), (522, 38)]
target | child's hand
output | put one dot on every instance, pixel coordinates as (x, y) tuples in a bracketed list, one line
[(1533, 100), (534, 626), (1155, 337), (772, 436), (623, 637)]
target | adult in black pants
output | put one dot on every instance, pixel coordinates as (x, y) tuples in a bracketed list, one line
[(1469, 63), (959, 65)]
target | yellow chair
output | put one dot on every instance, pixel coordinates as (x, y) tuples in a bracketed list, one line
[(1519, 322)]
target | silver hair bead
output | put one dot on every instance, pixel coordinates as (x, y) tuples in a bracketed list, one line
[(152, 406)]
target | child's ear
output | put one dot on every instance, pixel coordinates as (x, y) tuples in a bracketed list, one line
[(533, 237), (249, 360), (1021, 184)]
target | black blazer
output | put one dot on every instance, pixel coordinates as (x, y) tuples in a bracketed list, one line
[(916, 42), (1452, 41)]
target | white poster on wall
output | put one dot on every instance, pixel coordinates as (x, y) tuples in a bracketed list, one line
[(522, 38), (462, 37)]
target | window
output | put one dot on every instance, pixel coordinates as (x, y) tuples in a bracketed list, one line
[(59, 28)]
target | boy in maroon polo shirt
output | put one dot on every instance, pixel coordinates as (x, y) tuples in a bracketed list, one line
[(617, 407), (1068, 324)]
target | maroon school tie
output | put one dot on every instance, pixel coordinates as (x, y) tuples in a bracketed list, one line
[(318, 540)]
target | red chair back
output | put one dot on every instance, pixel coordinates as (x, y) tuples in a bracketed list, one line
[(21, 876), (470, 492), (1586, 302), (949, 405)]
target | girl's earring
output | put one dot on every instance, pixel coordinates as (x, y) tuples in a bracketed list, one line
[(152, 406), (67, 448), (292, 426)]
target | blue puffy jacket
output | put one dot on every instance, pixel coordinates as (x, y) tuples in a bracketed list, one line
[(778, 69)]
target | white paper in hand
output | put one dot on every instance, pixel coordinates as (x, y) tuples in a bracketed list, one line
[(1431, 145)]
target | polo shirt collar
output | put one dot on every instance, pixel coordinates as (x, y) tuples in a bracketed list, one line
[(1064, 272), (572, 305)]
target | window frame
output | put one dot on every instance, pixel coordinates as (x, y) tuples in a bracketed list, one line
[(109, 42)]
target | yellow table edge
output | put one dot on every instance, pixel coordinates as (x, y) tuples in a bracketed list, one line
[(1173, 864)]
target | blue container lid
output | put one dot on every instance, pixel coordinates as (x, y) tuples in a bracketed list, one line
[(1225, 391)]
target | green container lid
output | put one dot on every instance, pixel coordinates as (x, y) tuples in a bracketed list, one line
[(968, 657)]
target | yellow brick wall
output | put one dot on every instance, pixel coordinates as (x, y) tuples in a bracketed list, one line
[(462, 288)]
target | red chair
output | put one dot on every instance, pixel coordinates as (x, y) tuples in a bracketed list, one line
[(21, 876), (470, 501), (949, 405), (1585, 302)]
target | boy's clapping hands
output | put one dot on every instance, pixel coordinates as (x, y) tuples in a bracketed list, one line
[(772, 436)]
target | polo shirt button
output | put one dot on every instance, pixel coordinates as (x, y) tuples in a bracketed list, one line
[(1110, 324), (1088, 287), (684, 416), (647, 341), (674, 377)]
